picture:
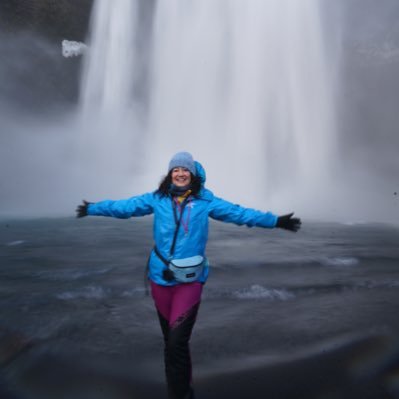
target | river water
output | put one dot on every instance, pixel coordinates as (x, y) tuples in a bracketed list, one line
[(73, 303)]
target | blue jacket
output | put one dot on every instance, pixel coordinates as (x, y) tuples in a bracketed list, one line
[(193, 233)]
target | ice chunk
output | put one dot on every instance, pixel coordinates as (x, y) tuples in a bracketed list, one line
[(72, 48)]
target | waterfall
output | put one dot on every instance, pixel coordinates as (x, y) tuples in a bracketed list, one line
[(243, 85), (109, 68), (107, 109)]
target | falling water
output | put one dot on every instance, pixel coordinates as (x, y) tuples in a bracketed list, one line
[(107, 105), (243, 85), (109, 71)]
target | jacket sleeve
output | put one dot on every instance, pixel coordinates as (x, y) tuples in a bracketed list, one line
[(228, 212), (140, 205)]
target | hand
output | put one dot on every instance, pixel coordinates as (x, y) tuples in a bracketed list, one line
[(287, 222), (81, 210)]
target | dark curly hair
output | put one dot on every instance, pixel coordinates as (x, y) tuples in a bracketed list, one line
[(164, 186)]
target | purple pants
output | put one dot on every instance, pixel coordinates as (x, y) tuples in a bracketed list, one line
[(177, 308)]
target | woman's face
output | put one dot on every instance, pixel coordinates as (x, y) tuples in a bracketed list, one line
[(181, 177)]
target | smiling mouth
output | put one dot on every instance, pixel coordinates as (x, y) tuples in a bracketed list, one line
[(181, 180)]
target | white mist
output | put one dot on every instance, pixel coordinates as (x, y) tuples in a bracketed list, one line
[(243, 85)]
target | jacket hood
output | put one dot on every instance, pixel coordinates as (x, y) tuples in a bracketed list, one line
[(200, 172)]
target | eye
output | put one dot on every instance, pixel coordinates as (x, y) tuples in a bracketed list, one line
[(180, 169)]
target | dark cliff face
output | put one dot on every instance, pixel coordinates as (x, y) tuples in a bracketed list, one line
[(54, 19), (33, 72), (34, 76)]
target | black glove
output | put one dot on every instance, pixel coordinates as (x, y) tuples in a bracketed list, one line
[(81, 210), (287, 222)]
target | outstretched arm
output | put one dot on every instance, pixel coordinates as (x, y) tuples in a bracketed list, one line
[(231, 213), (135, 206), (226, 211)]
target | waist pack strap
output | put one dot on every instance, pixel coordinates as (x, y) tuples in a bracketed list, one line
[(163, 259), (147, 268), (177, 221)]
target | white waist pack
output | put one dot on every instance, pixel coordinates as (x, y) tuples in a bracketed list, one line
[(187, 270)]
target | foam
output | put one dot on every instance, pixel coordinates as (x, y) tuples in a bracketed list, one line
[(89, 292), (15, 243), (258, 292), (340, 261)]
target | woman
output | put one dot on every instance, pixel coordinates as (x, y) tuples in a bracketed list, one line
[(181, 207)]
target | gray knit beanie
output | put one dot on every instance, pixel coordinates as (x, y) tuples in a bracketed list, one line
[(182, 160)]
